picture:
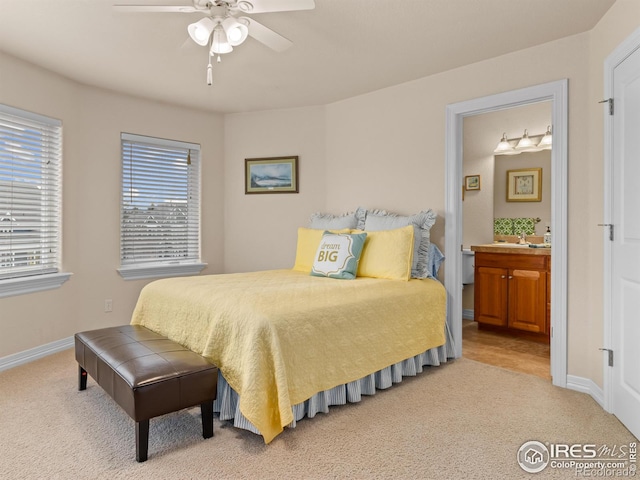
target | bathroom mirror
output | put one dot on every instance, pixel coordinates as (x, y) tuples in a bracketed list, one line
[(481, 135), (531, 217)]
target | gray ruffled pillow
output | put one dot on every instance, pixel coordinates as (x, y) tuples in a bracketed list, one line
[(328, 221)]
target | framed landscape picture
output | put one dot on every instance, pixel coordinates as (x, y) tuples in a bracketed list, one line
[(524, 185), (472, 182), (271, 175)]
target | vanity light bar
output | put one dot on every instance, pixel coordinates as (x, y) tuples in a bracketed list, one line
[(526, 143)]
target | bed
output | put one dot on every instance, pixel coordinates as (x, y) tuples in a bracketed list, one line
[(289, 343)]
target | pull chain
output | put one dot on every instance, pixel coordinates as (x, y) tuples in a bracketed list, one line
[(210, 67)]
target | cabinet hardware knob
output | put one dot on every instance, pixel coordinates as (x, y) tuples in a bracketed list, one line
[(510, 277), (503, 276)]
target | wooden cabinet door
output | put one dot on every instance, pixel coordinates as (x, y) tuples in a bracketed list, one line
[(490, 295), (528, 300)]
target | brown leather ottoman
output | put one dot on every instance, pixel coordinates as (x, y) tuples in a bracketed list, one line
[(147, 375)]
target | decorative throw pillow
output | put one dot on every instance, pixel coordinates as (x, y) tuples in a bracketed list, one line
[(387, 254), (421, 222), (338, 255), (308, 241)]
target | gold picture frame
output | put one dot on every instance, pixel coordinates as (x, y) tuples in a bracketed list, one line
[(271, 175), (524, 185), (472, 182)]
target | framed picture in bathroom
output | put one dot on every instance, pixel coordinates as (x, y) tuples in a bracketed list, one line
[(472, 182), (524, 185)]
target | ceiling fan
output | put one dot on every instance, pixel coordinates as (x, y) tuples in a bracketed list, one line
[(225, 25)]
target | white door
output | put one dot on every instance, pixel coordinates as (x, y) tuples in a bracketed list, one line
[(625, 247)]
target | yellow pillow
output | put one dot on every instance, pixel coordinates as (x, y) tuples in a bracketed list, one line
[(387, 254), (308, 242)]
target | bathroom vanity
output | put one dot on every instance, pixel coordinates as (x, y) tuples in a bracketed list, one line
[(513, 289)]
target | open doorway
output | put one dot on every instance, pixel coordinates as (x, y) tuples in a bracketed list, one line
[(490, 217), (556, 93)]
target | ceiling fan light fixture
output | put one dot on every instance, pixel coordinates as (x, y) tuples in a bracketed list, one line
[(220, 43), (200, 31), (236, 30)]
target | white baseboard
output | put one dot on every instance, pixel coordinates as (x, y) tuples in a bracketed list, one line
[(467, 314), (32, 354), (587, 386)]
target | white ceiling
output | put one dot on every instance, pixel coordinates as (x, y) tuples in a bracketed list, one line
[(342, 48)]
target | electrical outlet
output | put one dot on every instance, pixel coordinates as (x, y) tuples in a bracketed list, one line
[(108, 305)]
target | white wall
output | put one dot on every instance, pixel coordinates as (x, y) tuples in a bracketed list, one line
[(261, 229), (386, 150), (92, 122)]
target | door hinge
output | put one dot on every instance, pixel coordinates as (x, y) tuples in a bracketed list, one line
[(610, 229), (610, 355), (610, 102)]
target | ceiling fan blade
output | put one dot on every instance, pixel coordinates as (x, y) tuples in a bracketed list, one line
[(265, 35), (156, 8), (265, 6)]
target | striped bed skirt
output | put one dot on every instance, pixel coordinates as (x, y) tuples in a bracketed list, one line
[(227, 404)]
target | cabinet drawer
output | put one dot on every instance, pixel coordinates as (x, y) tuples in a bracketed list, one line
[(502, 260)]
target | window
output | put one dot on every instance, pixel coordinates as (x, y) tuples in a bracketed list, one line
[(160, 210), (30, 202)]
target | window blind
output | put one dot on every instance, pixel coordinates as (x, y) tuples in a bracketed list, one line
[(30, 193), (160, 211)]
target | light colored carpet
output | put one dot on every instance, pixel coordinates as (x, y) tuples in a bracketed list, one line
[(462, 420)]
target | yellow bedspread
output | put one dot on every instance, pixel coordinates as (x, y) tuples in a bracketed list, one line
[(280, 336)]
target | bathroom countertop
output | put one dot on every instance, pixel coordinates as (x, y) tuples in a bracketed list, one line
[(510, 248)]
